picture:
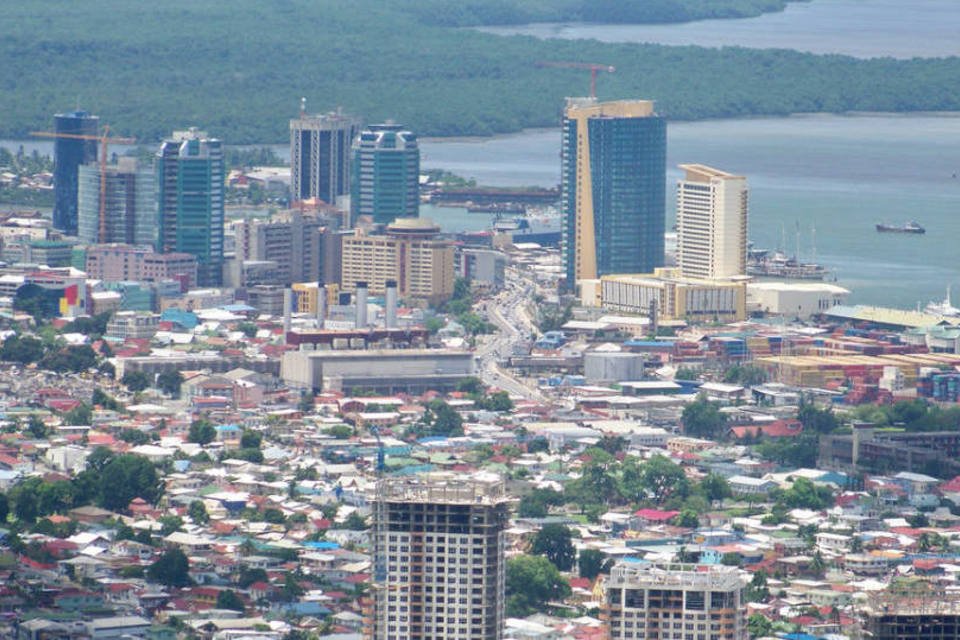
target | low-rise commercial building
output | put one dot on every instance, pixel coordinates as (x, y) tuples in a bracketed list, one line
[(383, 370), (795, 299), (669, 296)]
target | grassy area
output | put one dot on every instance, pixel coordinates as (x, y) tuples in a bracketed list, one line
[(238, 69)]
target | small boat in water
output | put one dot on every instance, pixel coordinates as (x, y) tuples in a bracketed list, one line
[(944, 308), (908, 227)]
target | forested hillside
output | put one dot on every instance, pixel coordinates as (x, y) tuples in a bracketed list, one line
[(238, 69), (500, 12)]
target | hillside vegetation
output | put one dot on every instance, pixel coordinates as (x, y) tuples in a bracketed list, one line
[(238, 69), (461, 13)]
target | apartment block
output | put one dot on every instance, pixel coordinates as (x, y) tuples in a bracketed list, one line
[(439, 569), (126, 263), (675, 602)]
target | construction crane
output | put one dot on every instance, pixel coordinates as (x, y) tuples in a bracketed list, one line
[(103, 139), (381, 454), (593, 67)]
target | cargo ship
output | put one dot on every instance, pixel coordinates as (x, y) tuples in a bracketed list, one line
[(907, 227)]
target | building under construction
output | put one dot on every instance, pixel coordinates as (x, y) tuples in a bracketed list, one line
[(439, 568), (918, 611), (675, 602)]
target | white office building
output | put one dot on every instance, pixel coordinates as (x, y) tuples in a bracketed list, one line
[(711, 223)]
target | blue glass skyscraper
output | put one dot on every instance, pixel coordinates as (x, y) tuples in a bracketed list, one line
[(190, 192), (613, 188), (68, 155)]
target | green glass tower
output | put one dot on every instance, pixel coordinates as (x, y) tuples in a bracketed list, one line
[(613, 188), (190, 186), (386, 174)]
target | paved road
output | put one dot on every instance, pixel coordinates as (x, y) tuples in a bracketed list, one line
[(507, 312)]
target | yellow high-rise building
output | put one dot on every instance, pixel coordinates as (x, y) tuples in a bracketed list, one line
[(409, 253)]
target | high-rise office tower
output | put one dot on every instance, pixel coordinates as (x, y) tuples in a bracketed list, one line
[(320, 155), (68, 155), (299, 245), (190, 186), (675, 602), (130, 204), (711, 223), (613, 185), (439, 568), (386, 174)]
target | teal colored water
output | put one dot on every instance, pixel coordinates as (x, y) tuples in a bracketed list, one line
[(860, 28), (837, 174)]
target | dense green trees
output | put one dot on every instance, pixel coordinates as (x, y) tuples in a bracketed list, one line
[(228, 599), (553, 542), (591, 563), (169, 382), (171, 569), (126, 477), (533, 581), (383, 63), (198, 512), (135, 381), (759, 626), (459, 13), (797, 452), (537, 503), (110, 481), (439, 419), (702, 419), (21, 349), (201, 432)]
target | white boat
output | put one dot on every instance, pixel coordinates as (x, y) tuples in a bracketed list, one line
[(943, 308)]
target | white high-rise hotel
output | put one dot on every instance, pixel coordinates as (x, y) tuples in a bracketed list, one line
[(711, 223), (439, 543)]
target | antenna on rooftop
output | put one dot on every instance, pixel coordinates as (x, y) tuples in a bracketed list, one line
[(303, 107)]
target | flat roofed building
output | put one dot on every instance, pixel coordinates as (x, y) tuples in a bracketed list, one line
[(439, 547), (386, 173), (409, 253), (675, 602), (711, 223), (670, 296), (384, 370), (320, 155), (613, 187), (130, 204), (190, 196)]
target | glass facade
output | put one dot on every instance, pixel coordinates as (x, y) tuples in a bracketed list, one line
[(68, 155), (386, 174), (191, 190), (131, 205), (627, 160)]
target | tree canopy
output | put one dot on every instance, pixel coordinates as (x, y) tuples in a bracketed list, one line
[(487, 83), (172, 569), (553, 541), (702, 419), (532, 581)]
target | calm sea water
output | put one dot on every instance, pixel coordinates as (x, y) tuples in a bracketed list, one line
[(861, 28), (832, 177)]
